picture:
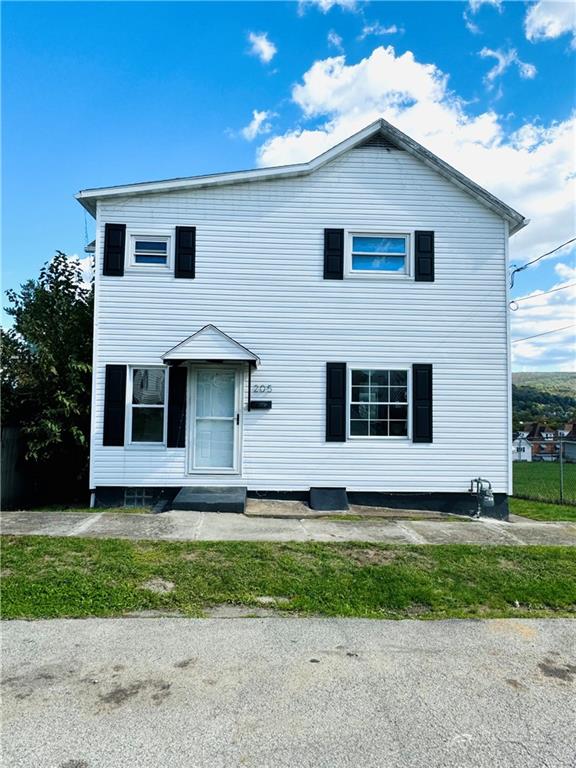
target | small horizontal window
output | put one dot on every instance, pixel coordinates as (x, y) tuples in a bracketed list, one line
[(379, 403), (150, 250), (379, 253)]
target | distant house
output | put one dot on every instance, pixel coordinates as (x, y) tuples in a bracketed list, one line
[(569, 443), (521, 449), (542, 439), (545, 441)]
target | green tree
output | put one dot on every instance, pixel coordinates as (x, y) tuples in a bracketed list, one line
[(46, 373)]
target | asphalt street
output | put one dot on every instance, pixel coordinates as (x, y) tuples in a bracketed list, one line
[(120, 693)]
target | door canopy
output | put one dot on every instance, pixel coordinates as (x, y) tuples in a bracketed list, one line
[(210, 344)]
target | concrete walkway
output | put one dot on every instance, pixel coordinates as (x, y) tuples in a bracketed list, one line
[(206, 526)]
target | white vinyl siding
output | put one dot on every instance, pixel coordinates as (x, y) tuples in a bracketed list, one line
[(259, 278)]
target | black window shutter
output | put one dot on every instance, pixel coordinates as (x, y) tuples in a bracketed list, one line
[(333, 254), (114, 405), (424, 257), (177, 407), (114, 247), (335, 402), (185, 266), (422, 403)]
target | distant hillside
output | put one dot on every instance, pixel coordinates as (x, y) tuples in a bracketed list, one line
[(549, 397)]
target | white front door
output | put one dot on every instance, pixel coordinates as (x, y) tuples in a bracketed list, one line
[(215, 420)]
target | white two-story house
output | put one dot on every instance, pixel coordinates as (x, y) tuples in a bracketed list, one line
[(337, 326)]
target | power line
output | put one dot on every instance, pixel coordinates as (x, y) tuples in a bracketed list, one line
[(537, 295), (529, 263), (557, 330)]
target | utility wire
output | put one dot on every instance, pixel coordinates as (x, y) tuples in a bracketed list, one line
[(557, 330), (529, 263), (537, 295)]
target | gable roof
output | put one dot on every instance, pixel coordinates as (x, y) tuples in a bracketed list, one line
[(210, 343), (389, 136)]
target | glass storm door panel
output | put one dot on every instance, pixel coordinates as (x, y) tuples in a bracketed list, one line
[(215, 420)]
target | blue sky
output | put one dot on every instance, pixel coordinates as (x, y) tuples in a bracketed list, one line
[(96, 94)]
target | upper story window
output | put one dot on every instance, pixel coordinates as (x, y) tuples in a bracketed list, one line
[(378, 403), (147, 405), (150, 250), (384, 254)]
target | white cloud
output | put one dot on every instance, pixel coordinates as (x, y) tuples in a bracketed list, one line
[(86, 264), (473, 8), (327, 5), (261, 47), (504, 60), (377, 29), (470, 25), (335, 40), (543, 312), (258, 125), (531, 169), (475, 5), (549, 20)]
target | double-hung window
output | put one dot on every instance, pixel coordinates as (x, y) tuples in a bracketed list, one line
[(378, 402), (147, 406), (150, 250), (385, 254)]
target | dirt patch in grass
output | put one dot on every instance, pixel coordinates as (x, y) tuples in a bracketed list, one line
[(379, 556), (369, 556), (203, 556), (509, 565), (159, 586), (269, 600)]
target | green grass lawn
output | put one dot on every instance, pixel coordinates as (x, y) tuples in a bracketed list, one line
[(57, 577), (541, 480), (542, 510)]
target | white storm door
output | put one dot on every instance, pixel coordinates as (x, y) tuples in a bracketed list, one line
[(215, 422)]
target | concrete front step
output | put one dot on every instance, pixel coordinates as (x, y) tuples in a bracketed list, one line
[(216, 498)]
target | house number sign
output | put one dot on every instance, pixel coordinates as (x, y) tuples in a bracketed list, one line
[(260, 389)]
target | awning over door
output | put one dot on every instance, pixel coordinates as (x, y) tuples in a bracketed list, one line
[(210, 344)]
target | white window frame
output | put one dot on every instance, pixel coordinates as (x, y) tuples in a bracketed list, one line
[(368, 274), (373, 367), (154, 235), (130, 405)]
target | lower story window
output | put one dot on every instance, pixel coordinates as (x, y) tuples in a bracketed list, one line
[(378, 403), (148, 403)]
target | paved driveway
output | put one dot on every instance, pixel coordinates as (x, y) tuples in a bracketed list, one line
[(208, 526), (217, 693)]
